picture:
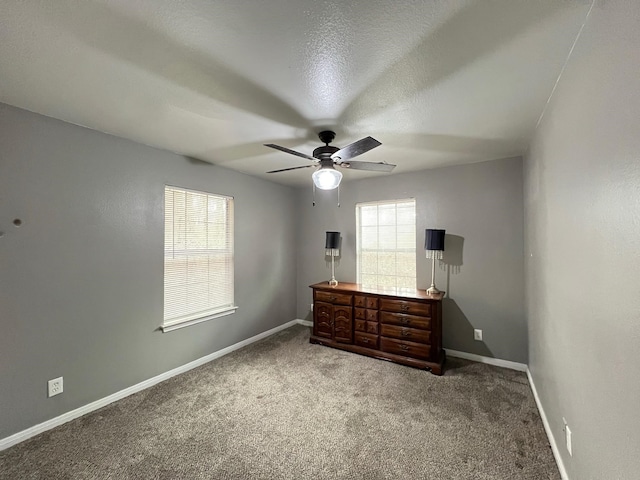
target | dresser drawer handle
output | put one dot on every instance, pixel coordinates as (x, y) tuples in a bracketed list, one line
[(405, 320), (405, 333), (404, 308), (332, 299), (404, 347), (364, 340)]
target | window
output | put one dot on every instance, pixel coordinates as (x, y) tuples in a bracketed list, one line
[(198, 257), (386, 244)]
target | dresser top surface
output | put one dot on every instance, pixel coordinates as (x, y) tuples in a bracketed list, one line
[(355, 288)]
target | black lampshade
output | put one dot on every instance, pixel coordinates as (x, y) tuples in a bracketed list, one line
[(333, 240), (433, 239)]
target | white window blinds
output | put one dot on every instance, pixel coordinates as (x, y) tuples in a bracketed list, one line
[(386, 244), (198, 256)]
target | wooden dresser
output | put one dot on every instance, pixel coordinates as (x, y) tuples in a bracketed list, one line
[(402, 326)]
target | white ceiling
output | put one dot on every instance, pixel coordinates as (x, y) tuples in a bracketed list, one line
[(437, 82)]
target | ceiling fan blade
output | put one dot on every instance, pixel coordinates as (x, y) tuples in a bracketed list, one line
[(371, 166), (292, 168), (356, 148), (287, 150)]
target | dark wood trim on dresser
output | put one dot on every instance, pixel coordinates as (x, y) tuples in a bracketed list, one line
[(402, 326)]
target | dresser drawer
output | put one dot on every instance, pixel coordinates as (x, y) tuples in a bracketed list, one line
[(404, 333), (372, 315), (332, 297), (360, 313), (360, 325), (372, 327), (402, 347), (413, 321), (405, 306), (366, 340), (365, 302)]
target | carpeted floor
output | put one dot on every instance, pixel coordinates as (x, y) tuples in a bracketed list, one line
[(285, 409)]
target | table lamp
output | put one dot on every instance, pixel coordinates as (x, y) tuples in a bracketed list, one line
[(332, 248), (434, 245)]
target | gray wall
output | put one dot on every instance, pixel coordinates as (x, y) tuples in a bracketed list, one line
[(480, 206), (582, 203), (81, 287)]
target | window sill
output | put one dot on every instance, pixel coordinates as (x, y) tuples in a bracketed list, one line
[(175, 325)]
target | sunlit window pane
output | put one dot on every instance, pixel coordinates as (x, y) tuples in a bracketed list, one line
[(386, 244), (198, 263)]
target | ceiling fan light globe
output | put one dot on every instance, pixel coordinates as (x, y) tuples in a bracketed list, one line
[(326, 178)]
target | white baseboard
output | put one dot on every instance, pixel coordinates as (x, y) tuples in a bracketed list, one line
[(521, 367), (78, 412), (306, 323), (547, 429)]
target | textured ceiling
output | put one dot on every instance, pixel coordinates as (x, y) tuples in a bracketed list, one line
[(437, 82)]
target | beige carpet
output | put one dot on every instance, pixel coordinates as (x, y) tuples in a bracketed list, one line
[(285, 409)]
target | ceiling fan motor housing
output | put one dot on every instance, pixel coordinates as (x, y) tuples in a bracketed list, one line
[(322, 153)]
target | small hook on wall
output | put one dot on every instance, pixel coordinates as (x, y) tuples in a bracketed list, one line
[(16, 222)]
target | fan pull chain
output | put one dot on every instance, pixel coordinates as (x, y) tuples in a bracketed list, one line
[(338, 196), (314, 193)]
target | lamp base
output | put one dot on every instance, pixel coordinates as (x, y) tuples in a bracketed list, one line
[(333, 282), (432, 290)]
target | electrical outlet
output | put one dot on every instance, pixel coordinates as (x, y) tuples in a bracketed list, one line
[(477, 334), (312, 307), (567, 436), (55, 386)]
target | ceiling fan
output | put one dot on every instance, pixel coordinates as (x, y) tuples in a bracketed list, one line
[(327, 177)]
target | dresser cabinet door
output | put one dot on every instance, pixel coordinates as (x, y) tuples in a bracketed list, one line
[(342, 329), (323, 325)]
